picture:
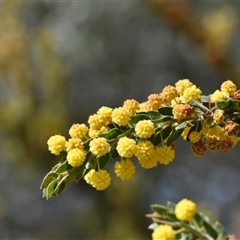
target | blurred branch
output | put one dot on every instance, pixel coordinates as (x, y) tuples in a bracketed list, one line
[(183, 18)]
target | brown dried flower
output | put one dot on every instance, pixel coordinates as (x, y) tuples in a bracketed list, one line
[(231, 128), (182, 111), (226, 145), (199, 148), (213, 143)]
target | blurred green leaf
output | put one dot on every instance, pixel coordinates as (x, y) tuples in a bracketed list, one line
[(205, 98), (103, 160), (50, 189), (171, 206), (62, 167), (138, 117), (162, 135), (113, 133), (229, 105), (48, 179), (209, 226), (174, 135), (166, 111), (162, 210), (162, 119)]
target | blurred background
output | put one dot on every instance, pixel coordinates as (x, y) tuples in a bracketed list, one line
[(61, 61)]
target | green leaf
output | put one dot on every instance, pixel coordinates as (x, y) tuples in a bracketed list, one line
[(154, 115), (103, 160), (229, 105), (50, 189), (167, 111), (162, 119), (171, 207), (113, 133), (86, 144), (198, 218), (174, 135), (63, 167), (165, 133), (161, 210), (205, 98), (209, 226), (61, 188), (183, 125), (75, 174), (138, 117), (48, 179), (220, 229)]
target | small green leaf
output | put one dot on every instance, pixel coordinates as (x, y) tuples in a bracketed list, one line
[(63, 167), (48, 179), (174, 135), (162, 119), (220, 229), (154, 115), (162, 135), (61, 188), (162, 210), (209, 226), (205, 98), (86, 144), (138, 117), (50, 189), (171, 207), (113, 133), (183, 125), (103, 160), (167, 111)]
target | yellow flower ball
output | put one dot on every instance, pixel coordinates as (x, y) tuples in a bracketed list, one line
[(164, 232), (191, 93), (146, 154), (121, 116), (185, 210), (165, 154), (88, 176), (124, 169), (76, 157), (106, 113), (74, 143), (96, 121), (218, 95), (229, 87), (56, 144), (144, 128), (99, 146), (195, 136), (126, 147), (78, 131), (183, 84), (169, 93), (100, 179), (132, 105)]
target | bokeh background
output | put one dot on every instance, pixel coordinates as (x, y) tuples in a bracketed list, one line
[(62, 60)]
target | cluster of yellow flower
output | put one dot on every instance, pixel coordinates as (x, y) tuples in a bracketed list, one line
[(184, 211), (149, 130)]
